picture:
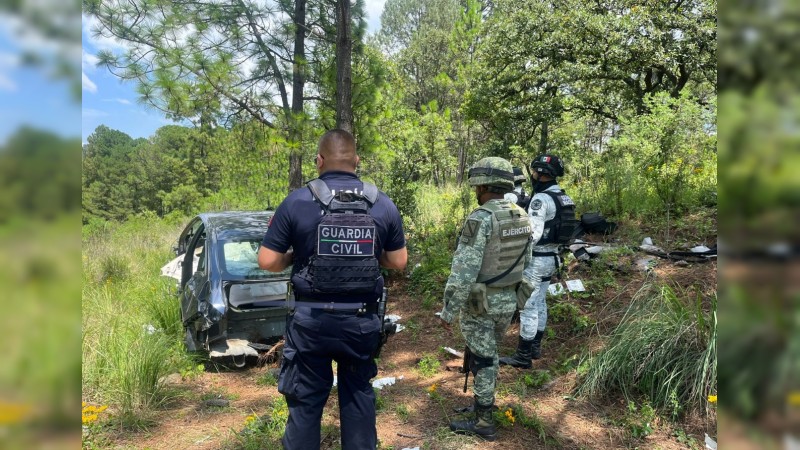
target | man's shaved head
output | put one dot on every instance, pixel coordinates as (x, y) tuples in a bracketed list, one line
[(338, 150)]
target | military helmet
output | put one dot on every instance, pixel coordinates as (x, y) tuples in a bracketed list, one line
[(519, 177), (492, 171), (548, 165)]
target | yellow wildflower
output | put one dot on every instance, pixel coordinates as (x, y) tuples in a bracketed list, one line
[(794, 398), (649, 168), (432, 388), (250, 419), (510, 415), (712, 398)]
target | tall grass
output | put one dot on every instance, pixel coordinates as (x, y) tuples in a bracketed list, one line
[(131, 324), (664, 348), (433, 234)]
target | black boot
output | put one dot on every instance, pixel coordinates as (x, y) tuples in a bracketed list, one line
[(536, 349), (481, 425), (522, 358)]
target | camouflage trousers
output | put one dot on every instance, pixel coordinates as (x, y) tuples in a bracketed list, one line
[(483, 334), (533, 317)]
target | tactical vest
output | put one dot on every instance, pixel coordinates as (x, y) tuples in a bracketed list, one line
[(344, 261), (511, 230), (563, 227)]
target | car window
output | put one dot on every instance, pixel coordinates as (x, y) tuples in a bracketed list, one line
[(240, 261)]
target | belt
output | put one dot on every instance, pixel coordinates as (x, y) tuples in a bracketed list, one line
[(361, 307), (535, 253)]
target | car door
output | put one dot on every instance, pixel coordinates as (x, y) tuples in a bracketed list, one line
[(194, 279)]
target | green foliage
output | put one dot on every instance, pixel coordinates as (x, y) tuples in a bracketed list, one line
[(531, 422), (639, 421), (268, 379), (537, 378), (38, 175), (262, 432), (568, 312), (428, 365), (402, 412), (664, 348), (126, 356), (380, 401)]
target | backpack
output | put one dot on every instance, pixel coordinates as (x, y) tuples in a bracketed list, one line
[(344, 261), (594, 222), (564, 227)]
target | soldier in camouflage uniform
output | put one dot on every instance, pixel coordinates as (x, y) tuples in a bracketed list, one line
[(482, 288)]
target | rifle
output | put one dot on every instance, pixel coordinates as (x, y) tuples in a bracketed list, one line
[(387, 328), (465, 365)]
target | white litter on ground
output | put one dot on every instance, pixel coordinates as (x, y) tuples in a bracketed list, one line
[(411, 448), (711, 444), (555, 289), (392, 318), (575, 285), (385, 381), (378, 383), (699, 249), (453, 352)]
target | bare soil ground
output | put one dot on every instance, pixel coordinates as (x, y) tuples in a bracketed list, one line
[(410, 417)]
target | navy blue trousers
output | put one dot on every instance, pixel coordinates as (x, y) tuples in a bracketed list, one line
[(314, 338)]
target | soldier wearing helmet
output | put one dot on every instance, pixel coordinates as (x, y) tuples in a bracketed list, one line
[(552, 218), (518, 195), (485, 275)]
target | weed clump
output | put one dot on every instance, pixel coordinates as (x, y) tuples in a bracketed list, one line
[(664, 349)]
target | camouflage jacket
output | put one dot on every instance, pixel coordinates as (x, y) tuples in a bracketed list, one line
[(467, 262)]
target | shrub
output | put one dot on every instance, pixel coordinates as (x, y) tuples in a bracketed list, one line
[(664, 348), (428, 365)]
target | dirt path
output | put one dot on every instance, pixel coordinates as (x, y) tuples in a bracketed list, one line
[(410, 417)]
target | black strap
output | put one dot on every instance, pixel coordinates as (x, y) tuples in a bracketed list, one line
[(507, 271), (535, 253), (322, 193)]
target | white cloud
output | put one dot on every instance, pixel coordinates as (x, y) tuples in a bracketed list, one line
[(87, 84), (123, 101), (92, 113), (99, 42), (374, 8), (88, 61), (7, 84), (8, 62)]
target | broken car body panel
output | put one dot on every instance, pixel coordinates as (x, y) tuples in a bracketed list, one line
[(224, 295)]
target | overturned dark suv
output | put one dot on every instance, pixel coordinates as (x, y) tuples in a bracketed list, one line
[(229, 307)]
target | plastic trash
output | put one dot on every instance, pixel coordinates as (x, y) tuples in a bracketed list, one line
[(710, 443), (575, 285), (647, 241), (699, 249), (385, 381), (454, 352), (555, 289)]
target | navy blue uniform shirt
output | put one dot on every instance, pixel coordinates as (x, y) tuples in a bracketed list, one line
[(295, 225)]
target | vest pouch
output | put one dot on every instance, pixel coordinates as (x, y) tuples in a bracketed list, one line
[(332, 276), (524, 291), (478, 302)]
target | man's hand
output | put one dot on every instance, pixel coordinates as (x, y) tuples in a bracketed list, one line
[(444, 324)]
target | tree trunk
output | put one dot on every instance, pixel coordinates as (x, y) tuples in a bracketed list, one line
[(543, 138), (344, 51), (298, 82)]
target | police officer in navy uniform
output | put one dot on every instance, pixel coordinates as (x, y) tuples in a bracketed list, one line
[(338, 324)]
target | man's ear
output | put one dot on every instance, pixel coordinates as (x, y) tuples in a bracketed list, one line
[(357, 160)]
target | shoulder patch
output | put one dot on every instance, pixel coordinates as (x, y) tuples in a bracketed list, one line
[(470, 230), (536, 204)]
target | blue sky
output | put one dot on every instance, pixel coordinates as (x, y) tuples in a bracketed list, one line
[(28, 95), (110, 102)]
